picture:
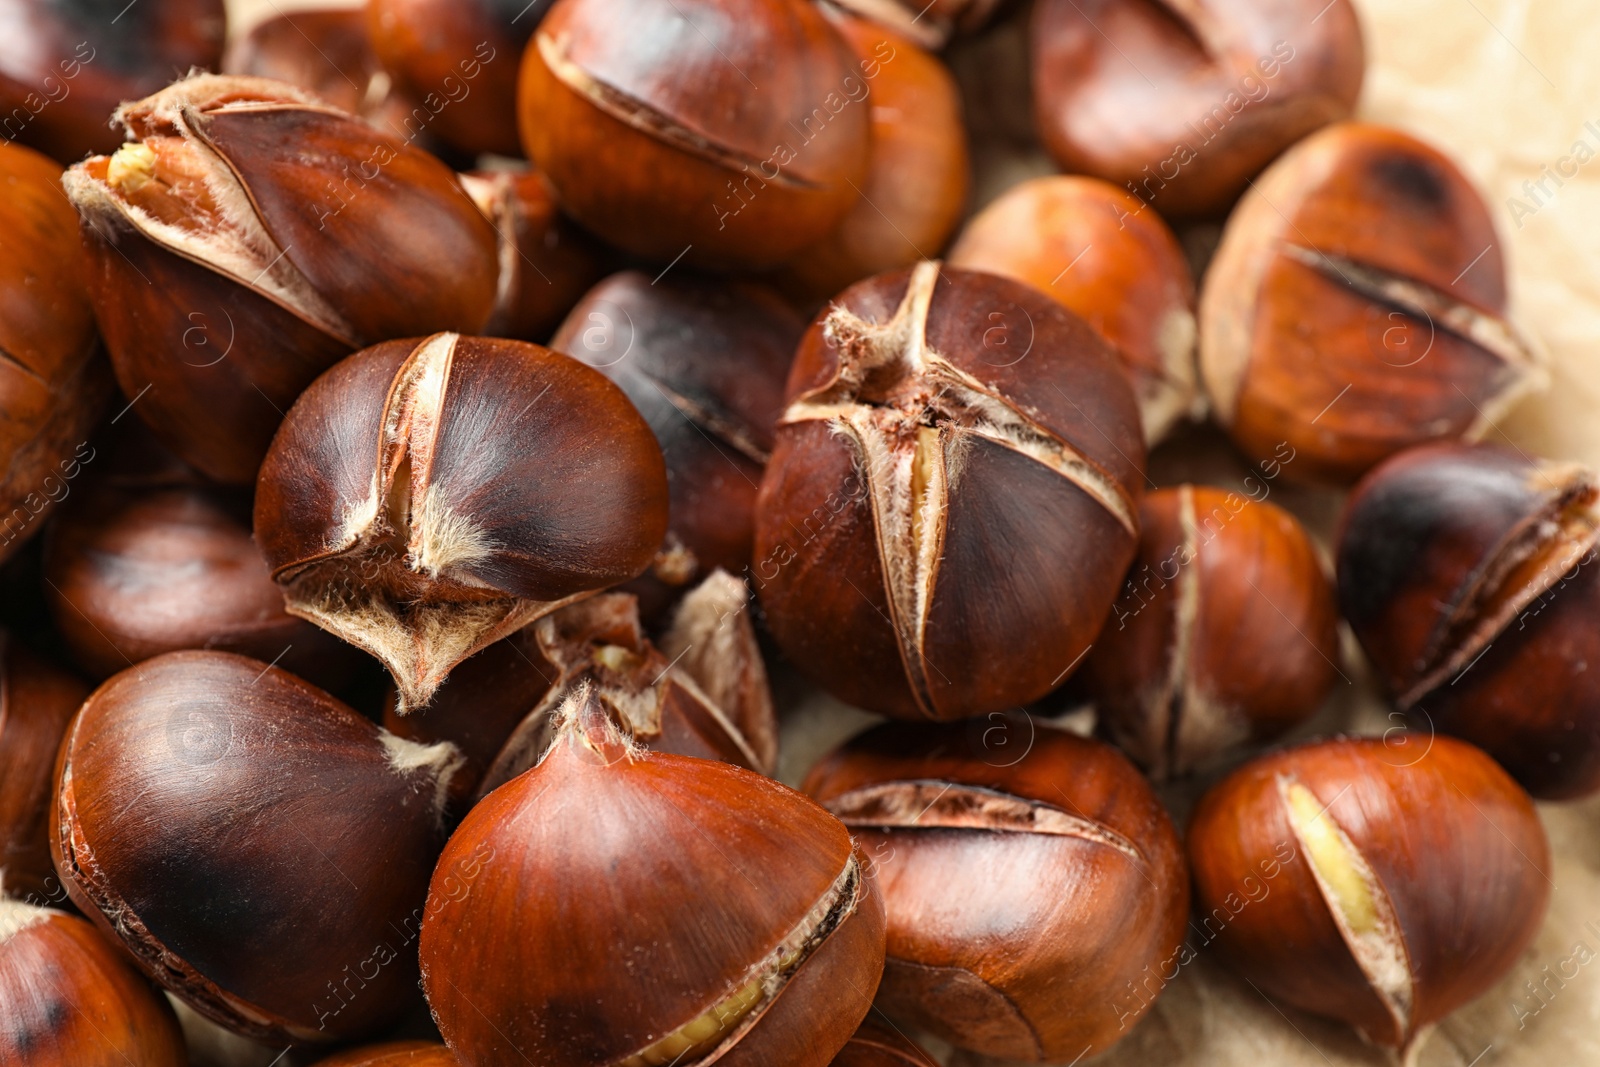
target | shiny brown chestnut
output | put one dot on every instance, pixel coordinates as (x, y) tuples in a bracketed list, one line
[(66, 66), (1182, 102), (1468, 575), (246, 237), (731, 133), (880, 1045), (704, 362), (721, 917), (1382, 882), (1357, 306), (37, 700), (69, 999), (930, 25), (953, 498), (1028, 874), (1225, 633), (394, 1054), (425, 498), (1111, 261), (205, 798)]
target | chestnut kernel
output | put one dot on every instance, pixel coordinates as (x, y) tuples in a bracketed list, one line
[(1357, 307), (1406, 875), (424, 499), (37, 700), (394, 1054), (953, 498), (1019, 890), (877, 1045), (1225, 633), (780, 968)]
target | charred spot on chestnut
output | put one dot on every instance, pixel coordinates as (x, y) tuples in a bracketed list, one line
[(953, 498), (424, 499), (632, 843)]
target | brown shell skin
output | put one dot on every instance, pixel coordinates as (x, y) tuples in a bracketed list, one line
[(69, 999), (679, 877), (37, 700), (1119, 89), (880, 1045), (1260, 651), (1456, 844), (715, 170), (395, 1054), (1016, 944), (1293, 355), (66, 65), (930, 25), (53, 379), (705, 363), (255, 793)]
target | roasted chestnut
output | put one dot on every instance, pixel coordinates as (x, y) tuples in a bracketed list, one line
[(953, 498), (396, 1054), (879, 1045), (261, 849), (931, 25), (37, 700), (424, 499), (1184, 101), (1111, 261), (730, 133), (246, 237), (720, 917), (69, 999), (1021, 887), (1225, 632), (1468, 575), (705, 363), (1357, 307), (1384, 882)]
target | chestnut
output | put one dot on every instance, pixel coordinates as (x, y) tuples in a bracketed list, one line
[(1225, 632), (704, 362), (206, 799), (1467, 574), (1184, 101), (65, 65), (1020, 888), (953, 498), (1383, 882), (53, 379), (1357, 306), (394, 1054), (1113, 263), (878, 1045), (37, 700), (930, 25), (719, 916), (731, 133), (246, 237), (69, 999), (425, 498)]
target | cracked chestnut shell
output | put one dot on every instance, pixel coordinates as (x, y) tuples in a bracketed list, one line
[(1357, 307), (1182, 102), (424, 499), (1109, 260), (1225, 633), (1468, 573), (394, 1054), (261, 849), (953, 498), (69, 999), (37, 700), (879, 1045), (733, 133), (1019, 889), (1381, 882), (721, 917), (246, 237)]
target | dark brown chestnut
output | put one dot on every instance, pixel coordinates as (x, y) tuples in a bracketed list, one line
[(720, 917), (424, 499), (395, 1054), (1468, 575), (953, 498), (1383, 882), (37, 700), (881, 1045), (1225, 633), (261, 849), (246, 237), (1025, 880), (930, 25)]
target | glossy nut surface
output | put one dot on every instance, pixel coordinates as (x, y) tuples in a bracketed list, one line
[(1226, 632), (37, 700), (1022, 892), (953, 498), (395, 1054), (1382, 882), (930, 25), (1357, 307), (880, 1044)]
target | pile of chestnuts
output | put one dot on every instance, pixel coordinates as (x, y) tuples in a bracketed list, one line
[(454, 448)]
